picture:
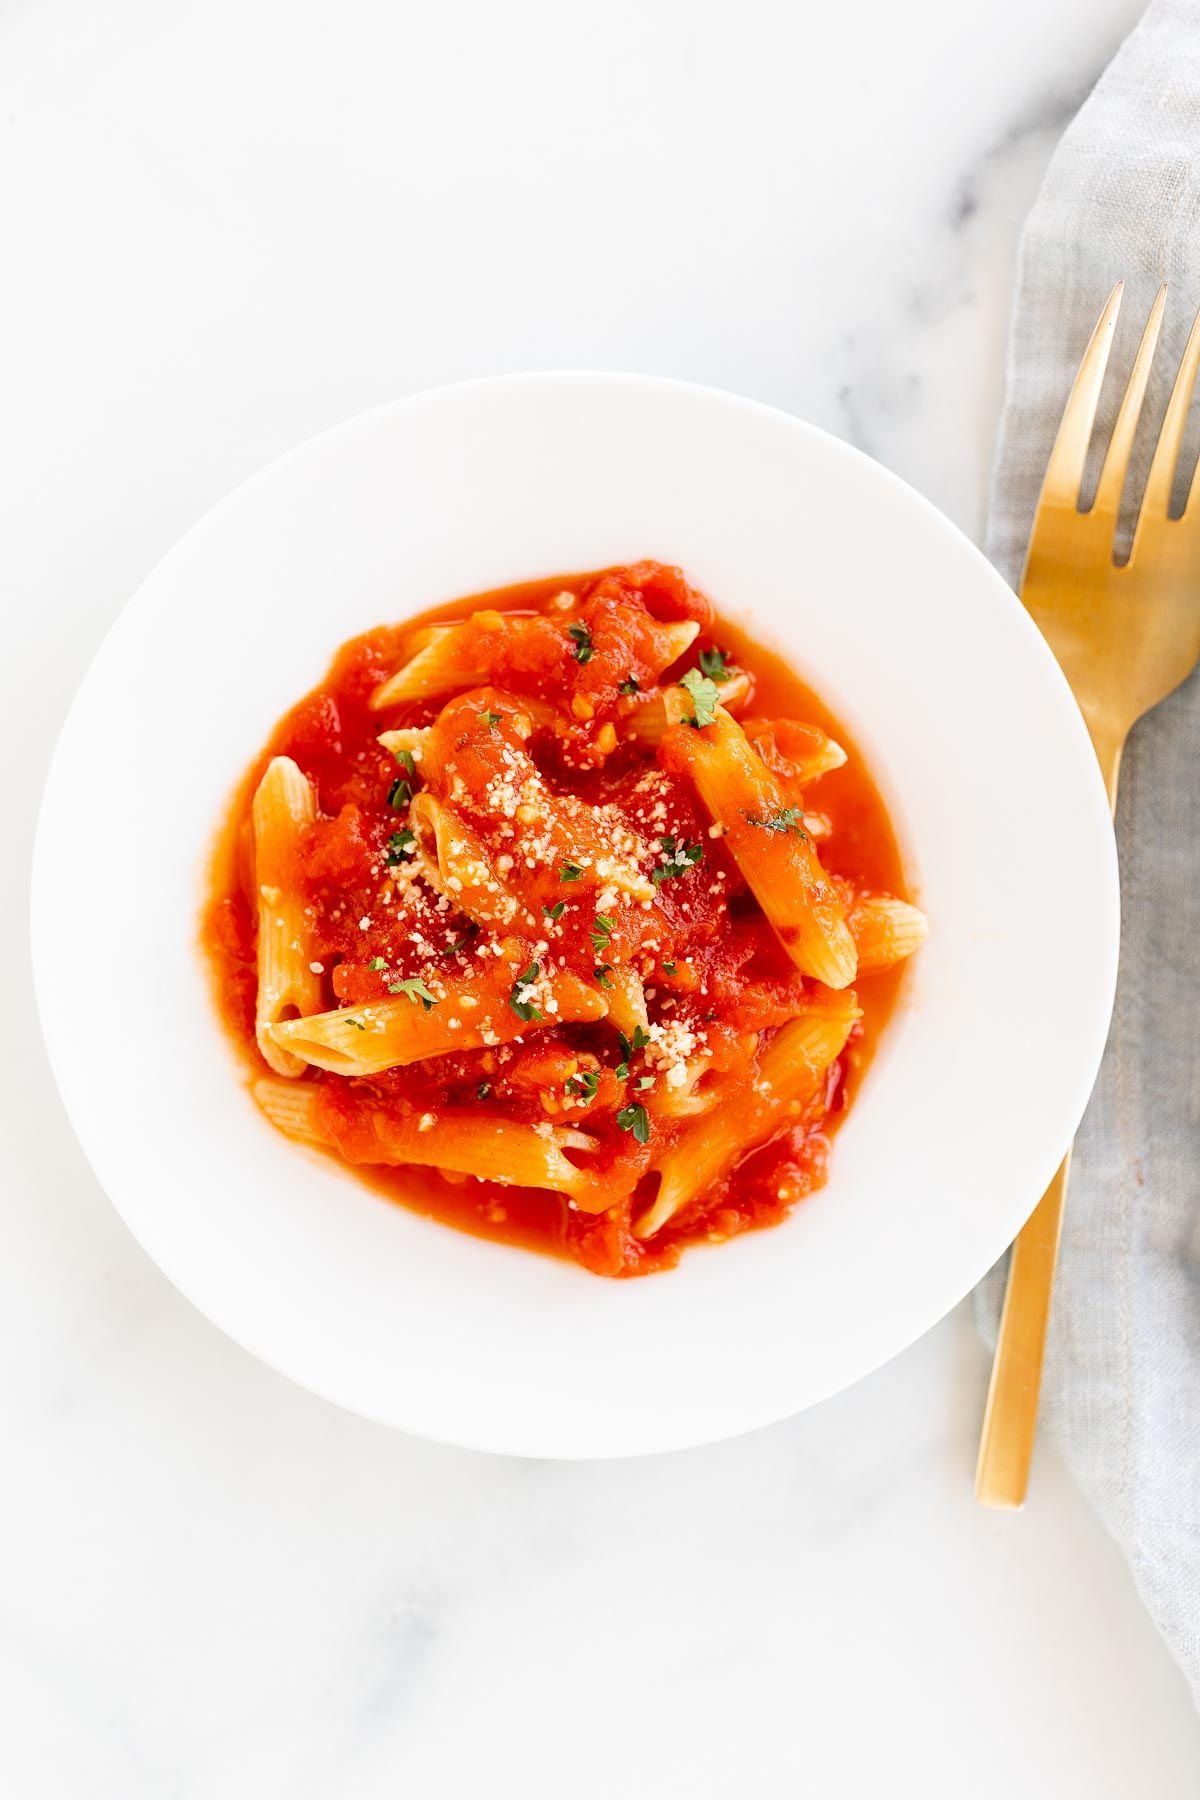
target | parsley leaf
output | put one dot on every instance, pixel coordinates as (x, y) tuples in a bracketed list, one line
[(678, 858), (602, 973), (490, 719), (583, 642), (705, 697), (716, 665), (630, 685), (453, 949), (788, 818), (669, 968), (555, 912), (600, 933), (377, 962), (583, 1085), (399, 845), (645, 1081), (357, 1024), (400, 793), (629, 1050), (569, 872), (407, 761), (637, 1120), (416, 990), (525, 1009)]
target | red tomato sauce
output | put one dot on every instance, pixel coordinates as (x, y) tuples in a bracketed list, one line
[(332, 735)]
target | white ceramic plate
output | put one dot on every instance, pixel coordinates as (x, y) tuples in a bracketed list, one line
[(881, 604)]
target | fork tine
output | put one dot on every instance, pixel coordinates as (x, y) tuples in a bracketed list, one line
[(1064, 471), (1120, 445), (1157, 498)]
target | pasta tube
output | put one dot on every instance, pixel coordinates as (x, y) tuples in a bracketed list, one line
[(885, 930), (799, 753), (464, 1140), (766, 837), (386, 1034), (284, 806), (790, 1073), (650, 717)]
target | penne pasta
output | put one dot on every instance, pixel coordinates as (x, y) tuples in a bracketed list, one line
[(626, 999), (766, 837), (484, 792), (667, 643), (507, 649), (791, 1072), (445, 661), (460, 867), (293, 1107), (411, 739), (489, 646), (796, 752), (649, 717), (284, 807), (387, 1034), (885, 930), (684, 1100), (464, 1140)]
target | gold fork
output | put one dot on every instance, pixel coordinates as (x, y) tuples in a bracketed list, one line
[(1126, 636)]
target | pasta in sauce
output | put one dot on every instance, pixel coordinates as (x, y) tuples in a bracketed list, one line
[(567, 915)]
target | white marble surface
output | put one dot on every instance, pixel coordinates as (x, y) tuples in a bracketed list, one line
[(225, 227)]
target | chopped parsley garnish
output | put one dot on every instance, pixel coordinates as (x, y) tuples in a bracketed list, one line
[(630, 685), (454, 948), (407, 762), (490, 719), (400, 793), (416, 990), (377, 962), (716, 665), (602, 973), (788, 818), (399, 845), (669, 968), (583, 642), (629, 1049), (583, 1085), (483, 1090), (357, 1024), (555, 912), (705, 697), (600, 933), (525, 1009), (678, 858), (637, 1120), (645, 1081), (570, 872)]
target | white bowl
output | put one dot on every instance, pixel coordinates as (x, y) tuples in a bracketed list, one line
[(883, 607)]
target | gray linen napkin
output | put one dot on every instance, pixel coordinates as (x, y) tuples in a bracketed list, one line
[(1122, 1383)]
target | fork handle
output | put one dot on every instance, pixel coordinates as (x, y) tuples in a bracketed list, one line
[(1010, 1417)]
